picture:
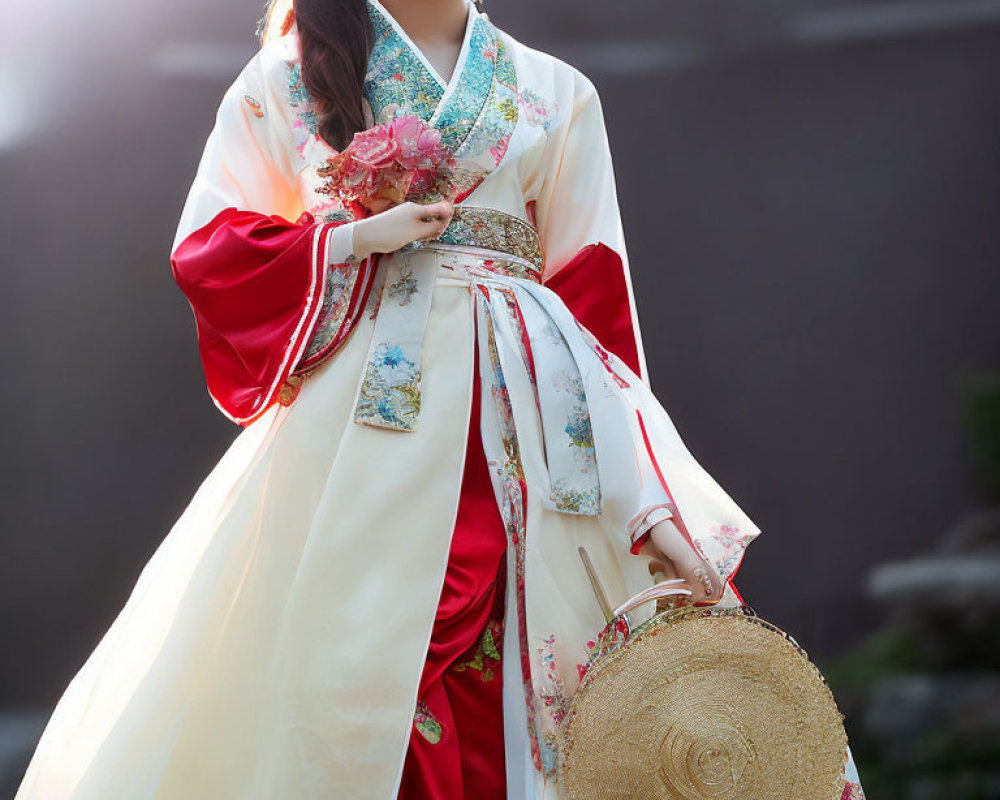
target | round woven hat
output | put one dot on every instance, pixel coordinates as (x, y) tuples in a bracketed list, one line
[(704, 704)]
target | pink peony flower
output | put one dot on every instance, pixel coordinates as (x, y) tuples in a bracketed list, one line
[(374, 148), (388, 164), (419, 143)]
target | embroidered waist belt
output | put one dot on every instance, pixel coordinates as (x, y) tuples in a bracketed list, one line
[(513, 242)]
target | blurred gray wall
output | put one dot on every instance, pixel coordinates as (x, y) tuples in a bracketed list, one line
[(810, 196)]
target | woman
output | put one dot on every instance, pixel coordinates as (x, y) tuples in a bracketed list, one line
[(377, 592)]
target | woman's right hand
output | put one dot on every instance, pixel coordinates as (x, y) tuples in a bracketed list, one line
[(675, 558), (398, 226)]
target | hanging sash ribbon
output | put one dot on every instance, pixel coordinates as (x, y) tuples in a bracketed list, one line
[(502, 253)]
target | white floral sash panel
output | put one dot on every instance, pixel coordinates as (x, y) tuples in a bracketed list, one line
[(565, 416), (389, 394)]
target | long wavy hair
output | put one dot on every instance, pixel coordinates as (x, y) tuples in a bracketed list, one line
[(336, 39)]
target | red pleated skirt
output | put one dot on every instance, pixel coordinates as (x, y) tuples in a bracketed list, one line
[(456, 749)]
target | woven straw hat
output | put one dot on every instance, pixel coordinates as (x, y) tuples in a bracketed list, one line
[(704, 704)]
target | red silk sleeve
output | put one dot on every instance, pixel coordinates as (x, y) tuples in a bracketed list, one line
[(255, 284), (593, 287)]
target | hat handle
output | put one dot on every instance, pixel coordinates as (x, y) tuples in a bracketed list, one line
[(670, 588)]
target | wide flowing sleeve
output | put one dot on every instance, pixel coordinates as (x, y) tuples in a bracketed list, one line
[(586, 264), (579, 223), (252, 262)]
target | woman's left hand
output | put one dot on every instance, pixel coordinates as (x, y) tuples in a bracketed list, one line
[(399, 225), (673, 556)]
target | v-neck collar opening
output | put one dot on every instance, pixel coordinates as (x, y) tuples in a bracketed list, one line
[(463, 52)]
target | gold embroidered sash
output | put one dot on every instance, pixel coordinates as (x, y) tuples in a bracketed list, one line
[(514, 241)]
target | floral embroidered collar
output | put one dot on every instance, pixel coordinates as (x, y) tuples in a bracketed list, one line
[(476, 110)]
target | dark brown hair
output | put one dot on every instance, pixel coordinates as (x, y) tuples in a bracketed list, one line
[(336, 40)]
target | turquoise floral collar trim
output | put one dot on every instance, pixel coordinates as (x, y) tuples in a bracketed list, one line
[(382, 18), (476, 111), (398, 81)]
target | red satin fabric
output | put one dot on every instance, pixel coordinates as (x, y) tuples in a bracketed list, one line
[(461, 686), (251, 280), (593, 287)]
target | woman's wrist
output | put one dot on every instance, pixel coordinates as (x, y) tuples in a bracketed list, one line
[(345, 246), (361, 244)]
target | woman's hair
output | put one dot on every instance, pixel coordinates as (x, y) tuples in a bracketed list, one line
[(336, 38)]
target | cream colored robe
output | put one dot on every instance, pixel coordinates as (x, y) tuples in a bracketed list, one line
[(273, 644)]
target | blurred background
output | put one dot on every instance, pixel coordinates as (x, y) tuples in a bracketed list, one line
[(810, 192)]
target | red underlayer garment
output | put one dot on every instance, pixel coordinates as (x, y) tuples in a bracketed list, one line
[(456, 749)]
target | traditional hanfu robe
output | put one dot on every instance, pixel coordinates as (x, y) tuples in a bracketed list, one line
[(276, 643)]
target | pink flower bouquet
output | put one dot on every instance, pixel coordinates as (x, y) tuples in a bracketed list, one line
[(387, 164)]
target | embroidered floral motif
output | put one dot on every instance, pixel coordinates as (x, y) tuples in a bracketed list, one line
[(612, 363), (478, 116), (476, 94), (555, 700), (308, 143), (337, 290), (513, 510), (496, 119), (486, 658), (734, 545), (426, 724), (568, 497), (254, 103), (375, 297), (390, 392), (554, 694), (397, 80), (537, 110), (552, 333), (310, 146), (494, 230), (305, 125), (725, 534), (611, 637), (504, 64), (852, 791), (523, 340), (476, 119), (507, 109), (404, 287), (580, 437)]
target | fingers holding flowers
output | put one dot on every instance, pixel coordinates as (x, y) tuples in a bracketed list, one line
[(401, 224), (386, 165)]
